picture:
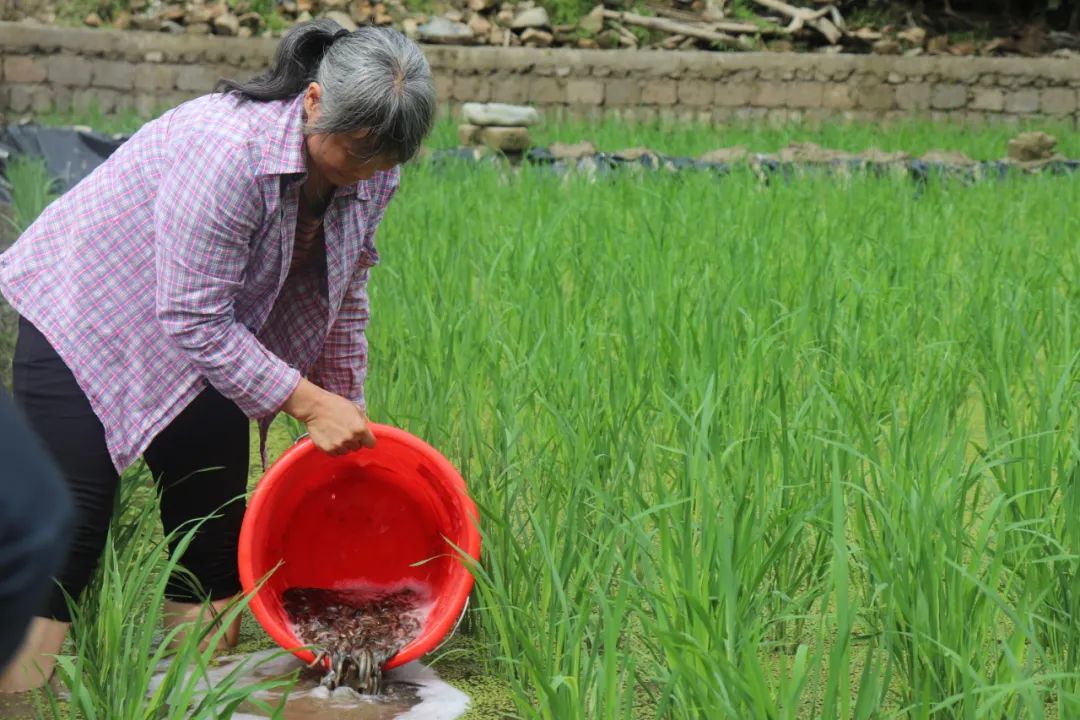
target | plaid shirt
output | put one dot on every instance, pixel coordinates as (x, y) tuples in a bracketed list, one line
[(164, 271)]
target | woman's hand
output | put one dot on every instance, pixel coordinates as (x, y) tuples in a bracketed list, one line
[(336, 425)]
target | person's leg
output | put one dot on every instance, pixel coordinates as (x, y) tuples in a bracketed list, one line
[(60, 415), (201, 461)]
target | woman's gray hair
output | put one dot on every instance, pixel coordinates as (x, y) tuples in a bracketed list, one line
[(373, 78)]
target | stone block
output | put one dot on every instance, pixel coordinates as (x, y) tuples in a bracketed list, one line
[(1023, 101), (112, 74), (155, 77), (581, 91), (696, 93), (24, 69), (471, 88), (806, 95), (913, 97), (734, 94), (949, 96), (197, 78), (620, 92), (989, 99), (659, 92), (69, 70), (769, 94), (1058, 101)]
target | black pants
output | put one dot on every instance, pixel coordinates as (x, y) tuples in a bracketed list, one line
[(35, 526), (200, 461)]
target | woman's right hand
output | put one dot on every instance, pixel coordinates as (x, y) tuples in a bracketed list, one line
[(335, 424)]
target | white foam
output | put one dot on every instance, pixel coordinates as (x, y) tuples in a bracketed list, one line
[(437, 699)]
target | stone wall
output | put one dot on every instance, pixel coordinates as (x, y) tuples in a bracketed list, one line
[(47, 68)]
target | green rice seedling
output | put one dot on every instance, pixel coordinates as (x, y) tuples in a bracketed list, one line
[(118, 645), (31, 191)]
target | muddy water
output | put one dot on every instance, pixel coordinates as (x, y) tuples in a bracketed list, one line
[(411, 692)]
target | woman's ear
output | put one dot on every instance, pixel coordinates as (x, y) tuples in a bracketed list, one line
[(312, 99)]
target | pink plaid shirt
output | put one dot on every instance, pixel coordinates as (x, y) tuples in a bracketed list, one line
[(164, 271)]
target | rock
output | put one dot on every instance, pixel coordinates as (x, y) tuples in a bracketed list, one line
[(1030, 146), (441, 30), (593, 22), (963, 49), (505, 17), (498, 35), (506, 139), (382, 17), (537, 38), (781, 45), (532, 18), (361, 11), (227, 24), (147, 23), (92, 20), (469, 134), (886, 46), (947, 157), (198, 29), (587, 44), (881, 157), (1032, 40), (171, 27), (480, 26), (245, 32), (937, 45), (122, 20), (304, 16), (334, 4), (481, 5), (454, 16), (995, 45), (866, 34), (154, 56), (562, 151), (288, 7), (725, 155), (500, 114), (342, 19), (217, 10), (175, 13), (810, 153), (136, 5), (410, 27), (916, 36), (251, 20), (198, 14), (635, 153)]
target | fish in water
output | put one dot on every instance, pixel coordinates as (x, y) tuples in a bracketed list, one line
[(356, 630)]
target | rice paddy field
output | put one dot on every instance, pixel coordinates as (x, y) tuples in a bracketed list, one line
[(788, 450)]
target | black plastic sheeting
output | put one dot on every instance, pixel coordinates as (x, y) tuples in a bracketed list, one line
[(70, 154)]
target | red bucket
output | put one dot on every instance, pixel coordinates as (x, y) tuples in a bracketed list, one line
[(384, 517)]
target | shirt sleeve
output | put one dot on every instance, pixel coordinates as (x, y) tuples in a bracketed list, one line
[(342, 366), (207, 210)]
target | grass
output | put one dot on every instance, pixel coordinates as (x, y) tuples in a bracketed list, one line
[(689, 139), (803, 449)]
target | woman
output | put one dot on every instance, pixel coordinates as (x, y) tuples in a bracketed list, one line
[(212, 271)]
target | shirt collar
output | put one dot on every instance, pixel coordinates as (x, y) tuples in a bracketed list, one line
[(283, 148)]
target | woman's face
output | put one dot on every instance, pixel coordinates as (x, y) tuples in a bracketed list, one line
[(339, 157)]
